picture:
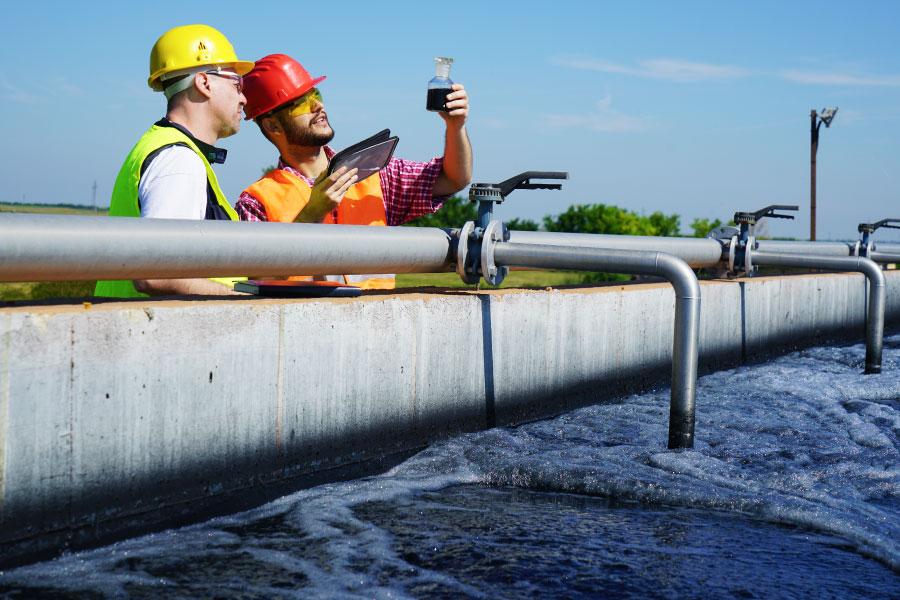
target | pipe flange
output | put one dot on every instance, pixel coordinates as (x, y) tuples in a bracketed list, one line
[(748, 255), (727, 236), (462, 253), (732, 252), (494, 232), (863, 248)]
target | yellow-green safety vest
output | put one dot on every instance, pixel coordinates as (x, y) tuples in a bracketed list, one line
[(124, 201)]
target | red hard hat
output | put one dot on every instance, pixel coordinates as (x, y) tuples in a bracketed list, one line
[(275, 80)]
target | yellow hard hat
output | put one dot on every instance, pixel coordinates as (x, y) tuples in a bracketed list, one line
[(190, 46)]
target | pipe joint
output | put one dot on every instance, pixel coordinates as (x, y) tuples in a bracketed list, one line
[(475, 253), (682, 277)]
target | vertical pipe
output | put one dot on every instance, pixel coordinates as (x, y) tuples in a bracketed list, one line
[(685, 349), (485, 214), (813, 147), (686, 340), (875, 315), (877, 292)]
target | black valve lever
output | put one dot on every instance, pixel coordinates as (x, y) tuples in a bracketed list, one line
[(751, 218), (522, 181), (865, 244), (885, 223)]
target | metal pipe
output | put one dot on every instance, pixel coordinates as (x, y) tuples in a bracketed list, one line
[(884, 257), (887, 248), (687, 309), (890, 254), (877, 293), (65, 247), (809, 248), (696, 252)]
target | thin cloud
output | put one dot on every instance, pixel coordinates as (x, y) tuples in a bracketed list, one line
[(16, 94), (41, 93), (684, 71), (840, 79), (61, 86), (667, 69), (851, 116), (604, 118)]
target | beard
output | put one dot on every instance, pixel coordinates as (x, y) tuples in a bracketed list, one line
[(299, 135)]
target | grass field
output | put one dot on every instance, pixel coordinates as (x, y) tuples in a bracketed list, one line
[(50, 209), (45, 290)]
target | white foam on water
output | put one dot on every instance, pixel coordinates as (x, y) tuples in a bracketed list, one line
[(804, 440)]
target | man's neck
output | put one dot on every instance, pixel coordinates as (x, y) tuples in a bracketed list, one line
[(310, 161), (200, 127)]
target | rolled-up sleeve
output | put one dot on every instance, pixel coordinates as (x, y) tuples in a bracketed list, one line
[(249, 208), (407, 189)]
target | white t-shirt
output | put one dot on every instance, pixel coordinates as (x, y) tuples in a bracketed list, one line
[(174, 185)]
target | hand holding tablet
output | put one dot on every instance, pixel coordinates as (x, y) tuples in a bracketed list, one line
[(368, 156)]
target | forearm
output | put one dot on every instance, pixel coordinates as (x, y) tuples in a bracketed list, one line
[(312, 214), (183, 287), (456, 172)]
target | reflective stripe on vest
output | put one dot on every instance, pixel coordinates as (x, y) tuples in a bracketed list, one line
[(124, 201), (284, 195)]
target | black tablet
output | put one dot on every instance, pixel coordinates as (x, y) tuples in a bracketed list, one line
[(368, 156), (279, 288)]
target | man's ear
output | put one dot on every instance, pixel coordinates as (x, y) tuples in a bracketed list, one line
[(202, 85), (271, 125)]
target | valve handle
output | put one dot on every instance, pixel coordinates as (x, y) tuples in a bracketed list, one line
[(522, 181), (885, 223), (751, 218), (769, 211)]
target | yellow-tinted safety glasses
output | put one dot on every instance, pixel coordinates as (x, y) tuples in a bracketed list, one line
[(306, 103)]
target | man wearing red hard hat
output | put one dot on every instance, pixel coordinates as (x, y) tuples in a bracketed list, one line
[(286, 104)]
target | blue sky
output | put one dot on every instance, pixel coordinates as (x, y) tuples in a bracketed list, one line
[(696, 108)]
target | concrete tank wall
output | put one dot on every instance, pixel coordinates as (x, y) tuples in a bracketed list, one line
[(126, 415)]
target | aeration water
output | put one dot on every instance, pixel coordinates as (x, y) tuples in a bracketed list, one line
[(793, 489)]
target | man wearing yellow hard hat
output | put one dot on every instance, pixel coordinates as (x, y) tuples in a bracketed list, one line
[(168, 173)]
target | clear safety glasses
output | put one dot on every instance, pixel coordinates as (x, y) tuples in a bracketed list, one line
[(305, 103), (234, 77)]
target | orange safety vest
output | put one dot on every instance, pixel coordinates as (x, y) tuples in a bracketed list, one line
[(284, 195)]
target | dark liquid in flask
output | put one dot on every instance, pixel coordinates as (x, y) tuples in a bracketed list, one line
[(437, 99)]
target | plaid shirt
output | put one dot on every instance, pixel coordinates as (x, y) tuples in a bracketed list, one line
[(405, 186)]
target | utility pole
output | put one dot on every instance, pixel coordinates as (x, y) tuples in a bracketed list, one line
[(815, 122), (94, 189)]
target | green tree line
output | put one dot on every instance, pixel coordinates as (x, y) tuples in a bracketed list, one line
[(578, 218)]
